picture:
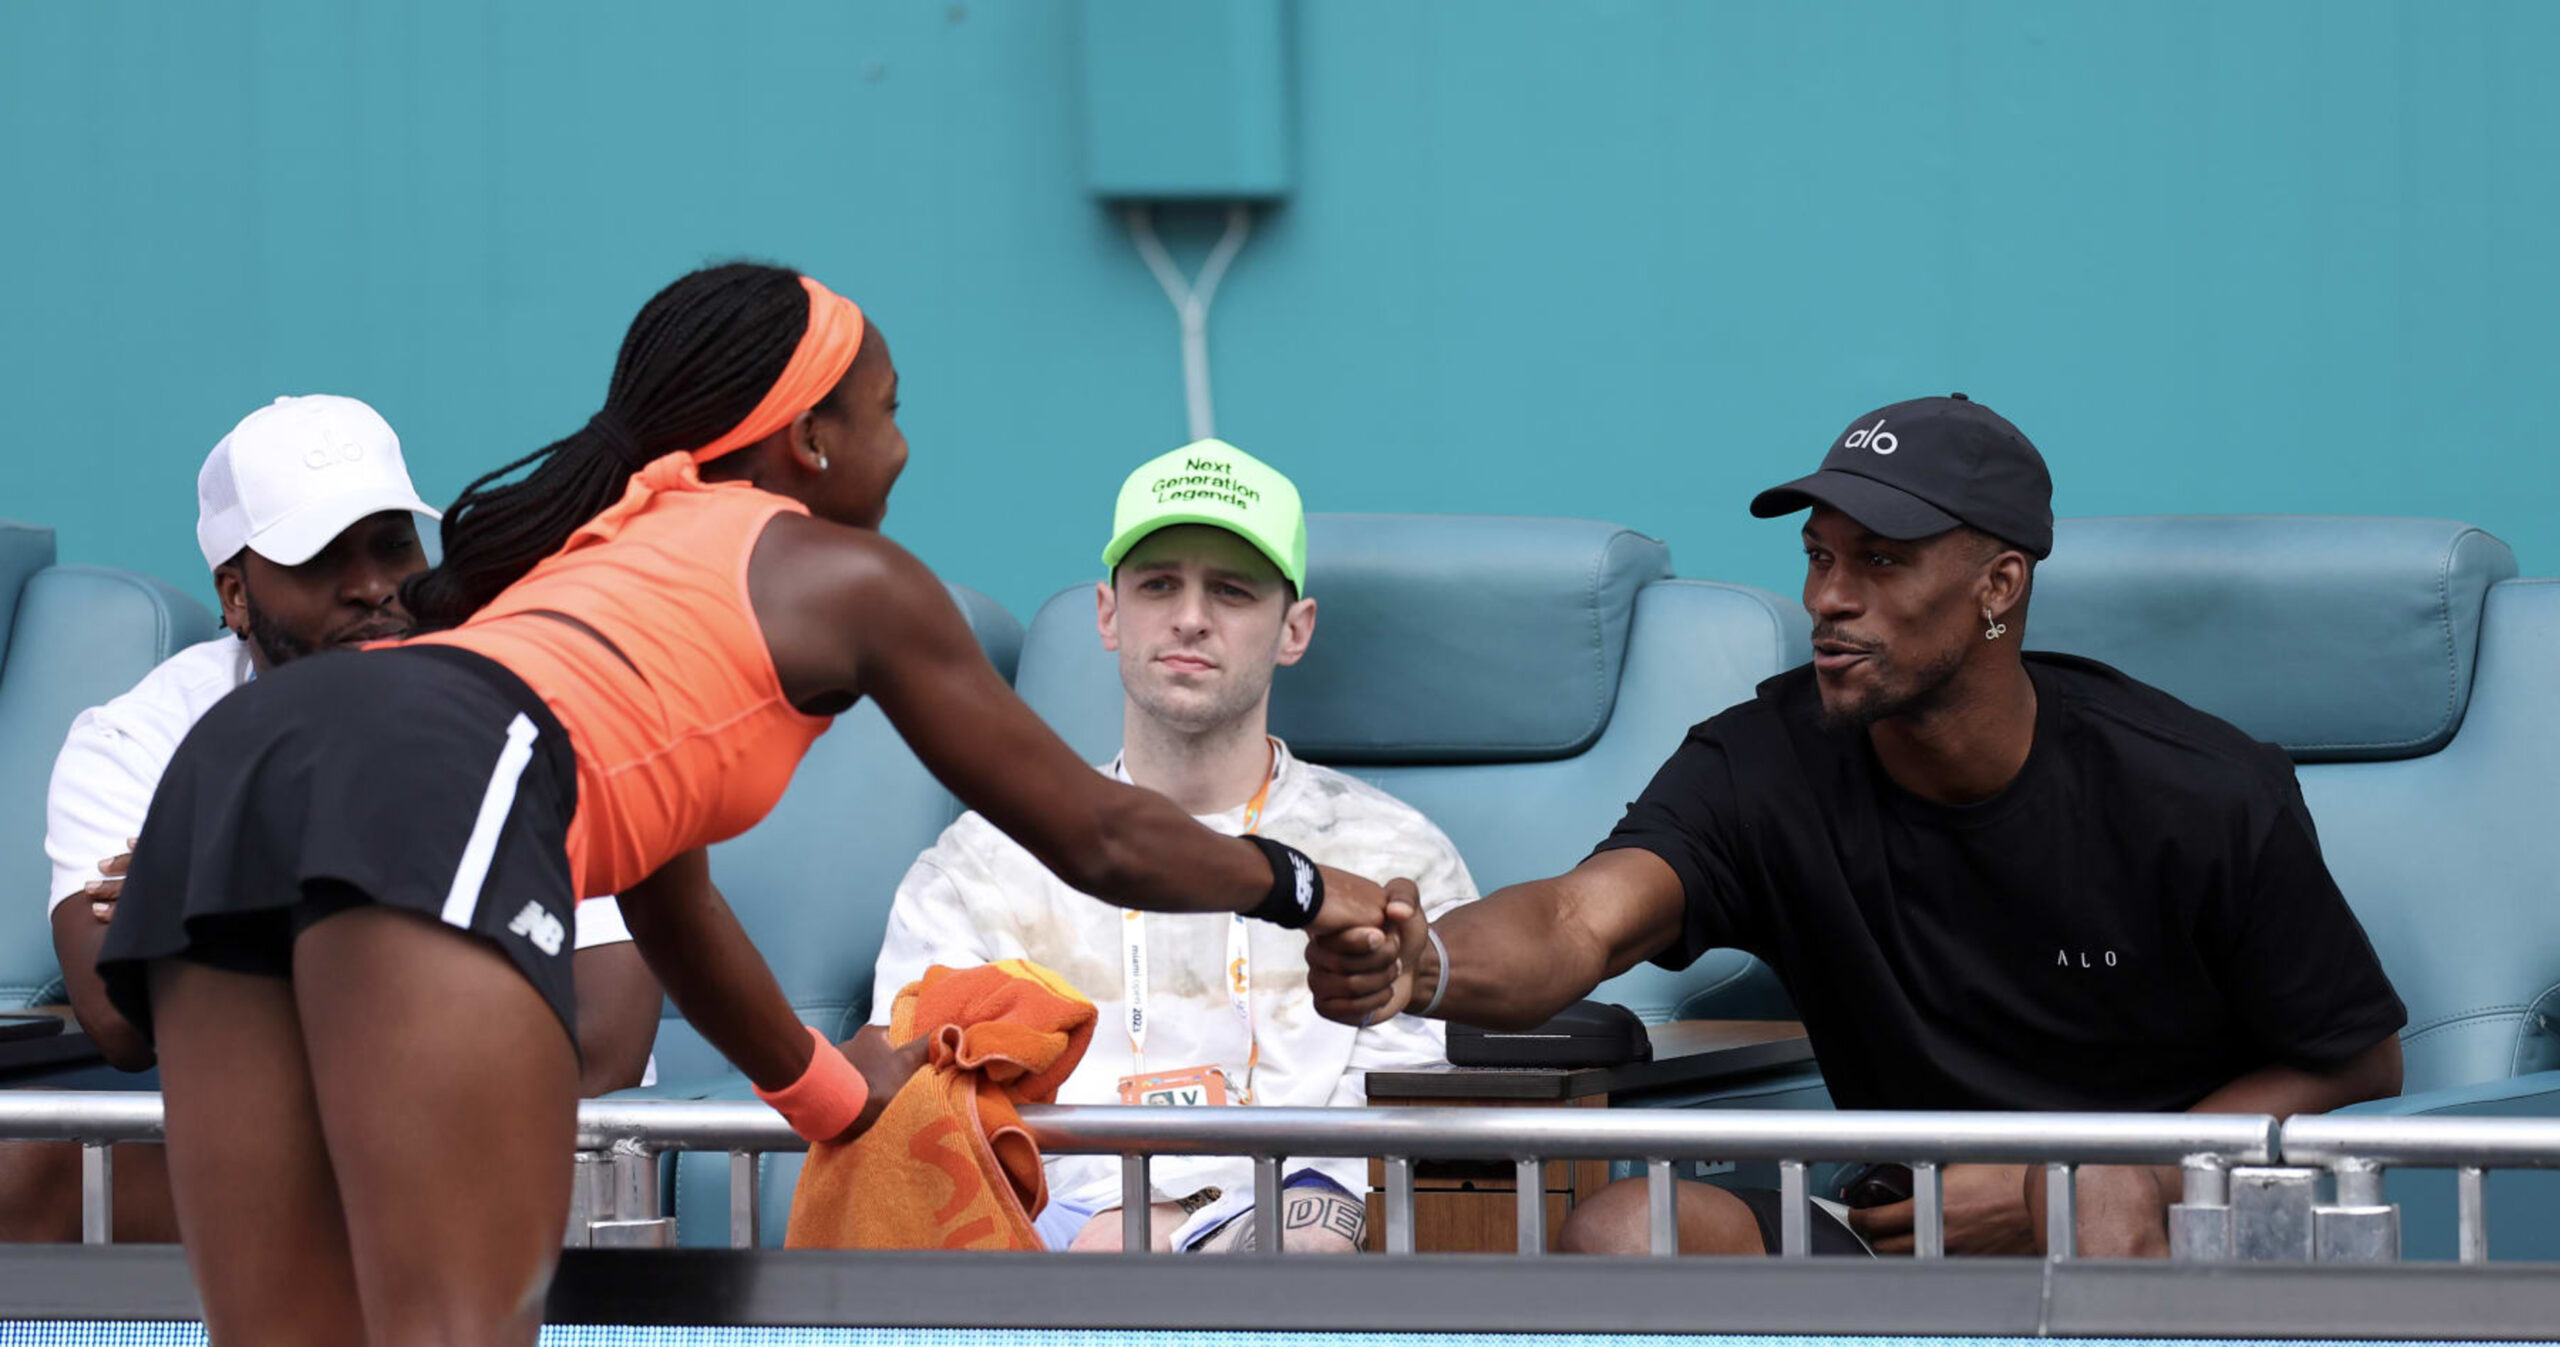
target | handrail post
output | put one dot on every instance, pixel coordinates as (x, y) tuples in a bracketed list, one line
[(2272, 1213), (1531, 1182), (1399, 1212), (2061, 1220), (97, 1193), (1266, 1205), (1137, 1218), (2359, 1227), (745, 1199), (2200, 1224), (636, 1222), (2471, 1188), (590, 1197), (1661, 1207), (1795, 1224), (1928, 1211)]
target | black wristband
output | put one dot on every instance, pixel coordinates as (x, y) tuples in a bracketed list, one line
[(1297, 886)]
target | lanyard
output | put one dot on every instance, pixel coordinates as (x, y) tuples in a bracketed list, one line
[(1133, 961)]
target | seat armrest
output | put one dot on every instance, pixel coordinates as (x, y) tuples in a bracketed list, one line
[(2529, 1096)]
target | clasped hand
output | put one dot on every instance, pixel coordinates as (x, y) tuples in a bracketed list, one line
[(1364, 948)]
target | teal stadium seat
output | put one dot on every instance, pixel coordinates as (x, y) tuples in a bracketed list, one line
[(71, 637), (2409, 673), (812, 885)]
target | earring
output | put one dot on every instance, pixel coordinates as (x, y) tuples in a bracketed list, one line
[(1991, 630), (822, 462)]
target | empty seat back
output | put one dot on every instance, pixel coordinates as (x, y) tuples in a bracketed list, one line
[(71, 637)]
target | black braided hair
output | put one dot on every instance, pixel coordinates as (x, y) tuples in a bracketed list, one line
[(700, 356)]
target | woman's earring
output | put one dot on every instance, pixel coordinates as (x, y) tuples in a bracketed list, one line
[(822, 462), (1992, 631)]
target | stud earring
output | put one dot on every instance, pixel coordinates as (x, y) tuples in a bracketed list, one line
[(822, 462), (1991, 630)]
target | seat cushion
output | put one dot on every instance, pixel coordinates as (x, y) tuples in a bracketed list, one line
[(81, 635), (2339, 638), (1462, 638), (2449, 861)]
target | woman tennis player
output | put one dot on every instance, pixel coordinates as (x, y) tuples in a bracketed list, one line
[(346, 923)]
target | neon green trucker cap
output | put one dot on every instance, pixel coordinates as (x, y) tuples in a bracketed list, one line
[(1213, 482)]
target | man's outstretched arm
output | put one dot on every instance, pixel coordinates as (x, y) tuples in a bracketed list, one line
[(1516, 957)]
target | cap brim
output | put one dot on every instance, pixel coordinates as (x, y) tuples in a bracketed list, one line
[(1137, 533), (301, 534), (1888, 511)]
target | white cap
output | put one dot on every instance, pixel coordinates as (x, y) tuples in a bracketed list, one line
[(294, 474)]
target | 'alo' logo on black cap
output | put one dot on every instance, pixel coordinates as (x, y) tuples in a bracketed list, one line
[(1871, 437)]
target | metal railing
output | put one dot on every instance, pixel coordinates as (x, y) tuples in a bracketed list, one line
[(2248, 1191), (2205, 1145), (2355, 1149)]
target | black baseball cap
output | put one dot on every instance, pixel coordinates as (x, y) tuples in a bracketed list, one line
[(1918, 468)]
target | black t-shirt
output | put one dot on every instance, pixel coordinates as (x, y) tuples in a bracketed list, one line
[(2139, 918)]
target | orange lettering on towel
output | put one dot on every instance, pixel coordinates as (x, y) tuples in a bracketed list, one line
[(953, 1160)]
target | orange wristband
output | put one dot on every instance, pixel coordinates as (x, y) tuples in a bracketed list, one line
[(826, 1100)]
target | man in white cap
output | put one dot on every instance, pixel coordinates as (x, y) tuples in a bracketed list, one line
[(308, 521), (1203, 599)]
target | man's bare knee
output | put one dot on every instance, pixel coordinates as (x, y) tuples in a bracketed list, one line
[(1600, 1223), (1616, 1220), (1313, 1219), (1323, 1220)]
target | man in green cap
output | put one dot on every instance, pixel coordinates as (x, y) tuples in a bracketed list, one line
[(1204, 598)]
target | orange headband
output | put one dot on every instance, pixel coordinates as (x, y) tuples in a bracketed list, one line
[(825, 352)]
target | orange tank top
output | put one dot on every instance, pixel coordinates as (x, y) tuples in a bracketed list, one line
[(684, 737)]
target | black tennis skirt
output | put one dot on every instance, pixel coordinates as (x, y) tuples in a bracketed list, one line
[(421, 777)]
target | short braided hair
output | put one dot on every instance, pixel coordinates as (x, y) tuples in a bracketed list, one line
[(700, 355)]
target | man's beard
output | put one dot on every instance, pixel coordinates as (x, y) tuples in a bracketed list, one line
[(278, 646), (1924, 690)]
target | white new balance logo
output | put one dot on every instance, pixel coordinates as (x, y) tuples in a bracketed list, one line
[(540, 927), (1872, 437), (1306, 882)]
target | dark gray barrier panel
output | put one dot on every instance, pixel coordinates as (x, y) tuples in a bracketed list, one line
[(1964, 1298), (96, 1281)]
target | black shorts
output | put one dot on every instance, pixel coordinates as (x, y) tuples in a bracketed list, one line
[(1830, 1235), (424, 777)]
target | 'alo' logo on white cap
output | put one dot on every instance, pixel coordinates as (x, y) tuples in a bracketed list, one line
[(1872, 437), (332, 454)]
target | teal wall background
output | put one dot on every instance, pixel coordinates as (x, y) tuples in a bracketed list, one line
[(1631, 259)]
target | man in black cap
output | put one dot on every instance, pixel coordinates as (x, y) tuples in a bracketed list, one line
[(1989, 879)]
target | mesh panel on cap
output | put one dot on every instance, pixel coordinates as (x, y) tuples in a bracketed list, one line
[(216, 493)]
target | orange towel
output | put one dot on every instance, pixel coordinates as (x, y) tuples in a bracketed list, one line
[(949, 1165)]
